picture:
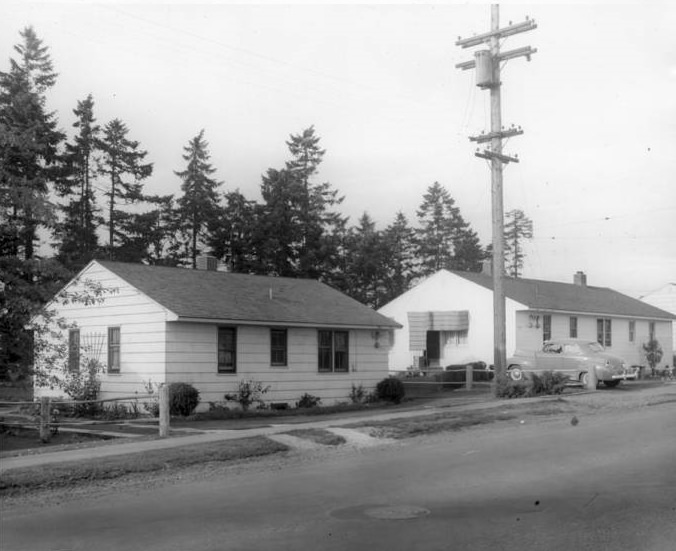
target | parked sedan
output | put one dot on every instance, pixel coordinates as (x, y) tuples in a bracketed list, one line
[(575, 358)]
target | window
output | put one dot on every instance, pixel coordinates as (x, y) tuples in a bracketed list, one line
[(227, 350), (74, 349), (604, 332), (113, 350), (573, 327), (333, 351), (455, 338), (546, 327), (651, 330), (278, 346), (632, 331)]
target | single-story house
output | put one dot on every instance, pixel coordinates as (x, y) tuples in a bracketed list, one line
[(447, 319), (213, 329), (665, 299)]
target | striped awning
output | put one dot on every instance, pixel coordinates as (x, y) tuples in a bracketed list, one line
[(419, 323)]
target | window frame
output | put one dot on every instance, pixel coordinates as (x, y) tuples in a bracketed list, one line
[(604, 332), (279, 348), (113, 347), (652, 330), (546, 327), (572, 327), (632, 331), (336, 343), (74, 349), (223, 367)]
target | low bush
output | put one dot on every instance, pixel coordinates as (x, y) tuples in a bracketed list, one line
[(308, 401), (357, 394), (506, 388), (183, 399), (391, 389), (547, 382), (248, 392)]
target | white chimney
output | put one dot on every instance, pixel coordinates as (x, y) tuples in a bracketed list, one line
[(580, 279)]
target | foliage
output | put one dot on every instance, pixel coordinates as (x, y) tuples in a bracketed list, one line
[(547, 382), (518, 227), (357, 394), (198, 207), (249, 392), (308, 401), (83, 384), (400, 259), (183, 399), (152, 405), (507, 388), (391, 389), (653, 352)]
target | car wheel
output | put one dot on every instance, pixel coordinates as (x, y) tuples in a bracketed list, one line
[(584, 379), (515, 373), (611, 383)]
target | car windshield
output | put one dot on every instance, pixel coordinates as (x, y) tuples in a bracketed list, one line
[(595, 347)]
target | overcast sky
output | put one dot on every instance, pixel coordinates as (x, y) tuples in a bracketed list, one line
[(597, 102)]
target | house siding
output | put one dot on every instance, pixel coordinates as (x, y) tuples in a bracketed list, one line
[(141, 322), (192, 358), (529, 336)]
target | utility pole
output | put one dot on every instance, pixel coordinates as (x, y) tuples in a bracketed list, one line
[(486, 62)]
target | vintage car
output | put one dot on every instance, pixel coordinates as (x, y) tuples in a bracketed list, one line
[(573, 357)]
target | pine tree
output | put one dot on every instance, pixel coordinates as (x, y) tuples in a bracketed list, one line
[(29, 142), (122, 163), (77, 234), (400, 261), (518, 227), (231, 234), (445, 240), (199, 204)]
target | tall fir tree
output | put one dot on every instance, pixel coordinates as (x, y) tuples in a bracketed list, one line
[(122, 164), (445, 240), (29, 142), (518, 228), (400, 261), (198, 207), (76, 233)]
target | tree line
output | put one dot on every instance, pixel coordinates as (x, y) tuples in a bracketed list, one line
[(85, 193)]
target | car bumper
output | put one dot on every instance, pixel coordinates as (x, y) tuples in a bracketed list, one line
[(623, 377)]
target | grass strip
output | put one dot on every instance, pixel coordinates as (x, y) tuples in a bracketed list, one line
[(60, 475)]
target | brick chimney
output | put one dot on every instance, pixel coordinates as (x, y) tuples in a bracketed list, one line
[(580, 279)]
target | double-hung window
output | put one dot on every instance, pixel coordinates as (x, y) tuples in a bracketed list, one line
[(604, 330), (632, 331), (227, 350), (278, 347), (113, 350), (74, 349), (573, 327), (546, 327), (333, 351)]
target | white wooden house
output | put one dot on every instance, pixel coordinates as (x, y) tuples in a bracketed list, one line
[(213, 329), (447, 319), (665, 298)]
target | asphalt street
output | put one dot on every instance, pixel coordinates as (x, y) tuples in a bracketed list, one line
[(608, 482)]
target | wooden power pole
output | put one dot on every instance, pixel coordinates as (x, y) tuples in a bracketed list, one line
[(486, 63)]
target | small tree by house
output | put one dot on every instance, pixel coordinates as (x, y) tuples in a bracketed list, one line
[(653, 353)]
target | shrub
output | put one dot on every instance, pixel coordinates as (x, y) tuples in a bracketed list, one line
[(183, 399), (248, 392), (308, 401), (82, 385), (391, 389), (547, 382), (506, 388), (357, 394)]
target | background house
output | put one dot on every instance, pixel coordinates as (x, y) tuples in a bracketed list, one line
[(665, 299), (213, 329), (448, 319)]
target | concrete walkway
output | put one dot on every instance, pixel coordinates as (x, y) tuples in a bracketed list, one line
[(127, 446)]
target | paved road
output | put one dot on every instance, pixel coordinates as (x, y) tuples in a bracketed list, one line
[(607, 483)]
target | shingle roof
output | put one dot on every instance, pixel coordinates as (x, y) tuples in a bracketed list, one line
[(568, 297), (212, 295)]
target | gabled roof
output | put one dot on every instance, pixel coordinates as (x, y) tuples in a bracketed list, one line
[(222, 296), (569, 297)]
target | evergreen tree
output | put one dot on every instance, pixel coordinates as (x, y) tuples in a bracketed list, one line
[(199, 204), (400, 261), (445, 240), (146, 236), (29, 142), (122, 163), (77, 233), (518, 227), (231, 234)]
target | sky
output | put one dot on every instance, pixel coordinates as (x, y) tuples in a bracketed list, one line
[(597, 102)]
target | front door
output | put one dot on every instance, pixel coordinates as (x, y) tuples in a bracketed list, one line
[(433, 348)]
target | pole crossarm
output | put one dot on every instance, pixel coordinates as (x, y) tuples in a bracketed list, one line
[(526, 51), (482, 138), (488, 154), (527, 25)]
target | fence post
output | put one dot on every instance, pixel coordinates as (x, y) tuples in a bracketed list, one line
[(469, 376), (45, 416), (164, 410)]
